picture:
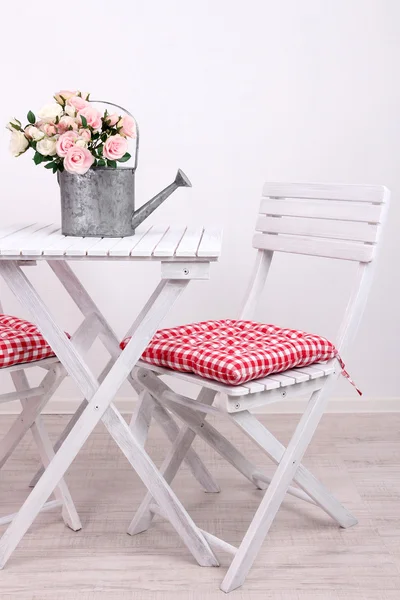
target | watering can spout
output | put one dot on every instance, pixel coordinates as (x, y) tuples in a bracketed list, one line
[(144, 211)]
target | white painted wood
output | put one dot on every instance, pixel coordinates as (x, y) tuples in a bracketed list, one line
[(326, 228), (257, 281), (189, 243), (11, 245), (103, 246), (99, 406), (109, 338), (148, 242), (125, 246), (47, 506), (275, 493), (81, 246), (6, 230), (169, 242), (212, 539), (304, 478), (343, 211), (314, 246), (141, 418), (330, 191), (185, 270), (210, 243), (161, 394), (44, 364), (27, 393), (59, 246), (238, 390), (192, 459), (33, 244), (318, 369), (169, 467), (45, 447)]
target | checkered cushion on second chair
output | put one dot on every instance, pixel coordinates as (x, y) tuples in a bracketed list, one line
[(234, 352), (21, 342)]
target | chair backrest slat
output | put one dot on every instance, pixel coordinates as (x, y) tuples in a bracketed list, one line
[(326, 228), (325, 191), (332, 221)]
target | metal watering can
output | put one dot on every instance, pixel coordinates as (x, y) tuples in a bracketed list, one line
[(101, 203)]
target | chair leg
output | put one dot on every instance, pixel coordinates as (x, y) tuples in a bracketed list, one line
[(145, 409), (45, 447), (196, 422), (178, 452), (270, 504), (304, 478)]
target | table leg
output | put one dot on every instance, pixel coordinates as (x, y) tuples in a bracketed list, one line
[(100, 406)]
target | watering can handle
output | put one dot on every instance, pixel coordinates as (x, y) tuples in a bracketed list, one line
[(131, 115)]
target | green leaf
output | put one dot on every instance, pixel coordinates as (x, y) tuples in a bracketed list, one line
[(38, 158), (112, 163), (84, 121), (125, 157), (17, 127), (47, 158), (31, 117), (61, 167), (100, 149), (103, 137), (101, 162), (55, 168), (50, 165)]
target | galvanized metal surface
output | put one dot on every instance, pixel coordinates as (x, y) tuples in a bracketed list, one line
[(101, 203)]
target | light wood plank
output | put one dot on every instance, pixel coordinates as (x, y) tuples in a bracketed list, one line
[(81, 246), (190, 242), (343, 211), (314, 247), (125, 246), (210, 244), (327, 228), (12, 244), (35, 243), (148, 242), (103, 246), (349, 192), (169, 242)]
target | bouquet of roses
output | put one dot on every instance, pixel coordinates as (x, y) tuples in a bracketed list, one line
[(72, 134)]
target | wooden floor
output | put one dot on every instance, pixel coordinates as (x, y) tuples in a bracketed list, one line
[(307, 557)]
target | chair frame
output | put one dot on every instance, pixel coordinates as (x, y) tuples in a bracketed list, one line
[(332, 221), (33, 400)]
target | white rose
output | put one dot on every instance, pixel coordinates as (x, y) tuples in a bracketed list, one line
[(70, 110), (34, 133), (18, 143), (81, 143), (47, 146), (50, 112), (13, 122)]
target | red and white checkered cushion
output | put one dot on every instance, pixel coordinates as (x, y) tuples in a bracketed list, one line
[(234, 352), (21, 342)]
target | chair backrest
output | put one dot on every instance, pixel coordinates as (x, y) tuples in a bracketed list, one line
[(327, 220)]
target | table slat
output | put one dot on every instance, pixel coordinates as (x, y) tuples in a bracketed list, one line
[(169, 242), (210, 244), (190, 242), (149, 241)]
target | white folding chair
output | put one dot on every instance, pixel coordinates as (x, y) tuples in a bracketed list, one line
[(33, 400), (331, 221)]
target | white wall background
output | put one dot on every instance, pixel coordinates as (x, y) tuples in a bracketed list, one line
[(235, 93)]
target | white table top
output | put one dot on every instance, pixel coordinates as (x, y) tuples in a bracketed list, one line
[(158, 242)]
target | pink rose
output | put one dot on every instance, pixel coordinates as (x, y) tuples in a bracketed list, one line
[(65, 142), (65, 123), (112, 119), (92, 116), (78, 160), (128, 126), (47, 128), (77, 102), (115, 147), (63, 95), (85, 134)]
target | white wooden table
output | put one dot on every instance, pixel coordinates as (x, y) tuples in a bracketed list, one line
[(184, 253)]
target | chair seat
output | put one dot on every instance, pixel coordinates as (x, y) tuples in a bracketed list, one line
[(235, 352), (21, 342)]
